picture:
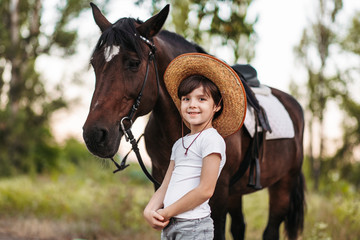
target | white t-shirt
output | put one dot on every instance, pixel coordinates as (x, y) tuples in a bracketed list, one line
[(187, 169)]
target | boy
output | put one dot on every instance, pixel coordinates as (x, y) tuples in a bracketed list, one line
[(180, 206)]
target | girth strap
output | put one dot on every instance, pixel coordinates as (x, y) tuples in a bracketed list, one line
[(251, 159), (254, 175)]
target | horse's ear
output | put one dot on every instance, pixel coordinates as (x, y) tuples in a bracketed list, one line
[(153, 25), (100, 19)]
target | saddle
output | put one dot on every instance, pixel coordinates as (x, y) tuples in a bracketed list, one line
[(248, 76), (248, 73)]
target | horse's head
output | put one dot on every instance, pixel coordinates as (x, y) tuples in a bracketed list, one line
[(120, 60)]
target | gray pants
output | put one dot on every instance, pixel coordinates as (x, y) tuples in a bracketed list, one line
[(189, 229)]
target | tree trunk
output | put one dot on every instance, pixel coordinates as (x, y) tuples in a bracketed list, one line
[(15, 81)]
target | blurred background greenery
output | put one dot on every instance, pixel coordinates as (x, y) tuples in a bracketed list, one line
[(55, 189)]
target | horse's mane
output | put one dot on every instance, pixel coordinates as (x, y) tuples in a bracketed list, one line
[(121, 33), (178, 39)]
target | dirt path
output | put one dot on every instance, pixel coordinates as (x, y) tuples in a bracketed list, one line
[(21, 228)]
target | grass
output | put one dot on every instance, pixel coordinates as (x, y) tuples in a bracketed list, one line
[(327, 217), (85, 203), (92, 203)]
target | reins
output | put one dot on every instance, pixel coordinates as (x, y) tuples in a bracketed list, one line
[(127, 131)]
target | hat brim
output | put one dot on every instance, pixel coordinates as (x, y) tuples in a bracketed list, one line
[(222, 75)]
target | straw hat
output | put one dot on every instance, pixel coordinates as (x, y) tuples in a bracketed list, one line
[(224, 77)]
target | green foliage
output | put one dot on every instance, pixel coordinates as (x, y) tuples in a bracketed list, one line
[(26, 105), (26, 144), (219, 23), (91, 202), (351, 42), (335, 217), (329, 82), (75, 152), (351, 173), (328, 217)]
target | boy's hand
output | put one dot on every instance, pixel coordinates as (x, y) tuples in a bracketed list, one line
[(163, 214), (155, 220)]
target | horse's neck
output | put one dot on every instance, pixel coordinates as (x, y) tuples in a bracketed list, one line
[(165, 112), (167, 117)]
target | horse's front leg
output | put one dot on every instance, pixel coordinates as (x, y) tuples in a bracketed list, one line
[(237, 218), (219, 208)]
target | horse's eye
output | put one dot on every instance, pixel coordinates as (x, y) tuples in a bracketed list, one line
[(134, 65)]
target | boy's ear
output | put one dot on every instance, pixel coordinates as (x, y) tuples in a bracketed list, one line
[(217, 108)]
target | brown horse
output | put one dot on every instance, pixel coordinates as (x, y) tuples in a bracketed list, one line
[(121, 60)]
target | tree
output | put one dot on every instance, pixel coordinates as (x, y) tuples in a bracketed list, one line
[(26, 143), (329, 80), (213, 24), (314, 53), (351, 42), (345, 159)]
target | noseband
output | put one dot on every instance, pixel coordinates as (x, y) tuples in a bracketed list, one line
[(127, 131)]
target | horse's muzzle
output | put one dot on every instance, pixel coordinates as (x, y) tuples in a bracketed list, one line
[(101, 141)]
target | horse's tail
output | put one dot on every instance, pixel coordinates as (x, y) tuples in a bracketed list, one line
[(294, 221)]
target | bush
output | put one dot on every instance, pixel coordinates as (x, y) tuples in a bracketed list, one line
[(26, 144)]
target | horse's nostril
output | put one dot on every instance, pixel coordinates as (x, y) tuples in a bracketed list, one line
[(95, 136), (100, 135), (104, 134)]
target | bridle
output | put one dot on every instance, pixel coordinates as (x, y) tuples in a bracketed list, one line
[(127, 131)]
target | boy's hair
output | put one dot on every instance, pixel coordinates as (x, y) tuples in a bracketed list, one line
[(195, 81)]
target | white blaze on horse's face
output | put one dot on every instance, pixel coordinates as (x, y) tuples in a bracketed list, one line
[(110, 52)]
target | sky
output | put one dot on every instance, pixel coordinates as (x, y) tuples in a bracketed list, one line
[(279, 29)]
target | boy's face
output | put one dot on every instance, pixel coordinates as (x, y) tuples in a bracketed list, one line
[(198, 108)]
